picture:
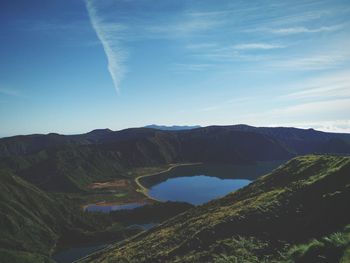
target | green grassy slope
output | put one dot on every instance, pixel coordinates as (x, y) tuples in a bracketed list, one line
[(32, 222), (65, 169), (290, 215), (26, 213)]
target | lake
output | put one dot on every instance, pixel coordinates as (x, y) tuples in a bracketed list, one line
[(195, 184), (199, 184), (196, 189)]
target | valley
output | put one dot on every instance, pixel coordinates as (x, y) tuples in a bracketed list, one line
[(49, 180), (295, 214)]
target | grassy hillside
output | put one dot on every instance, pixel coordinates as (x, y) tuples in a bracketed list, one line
[(65, 169), (33, 222), (298, 213)]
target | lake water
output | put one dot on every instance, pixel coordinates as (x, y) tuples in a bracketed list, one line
[(197, 189), (195, 184), (199, 184)]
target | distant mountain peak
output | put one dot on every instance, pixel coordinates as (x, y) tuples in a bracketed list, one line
[(173, 127), (100, 131)]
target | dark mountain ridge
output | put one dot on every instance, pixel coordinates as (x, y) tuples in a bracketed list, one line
[(297, 141), (69, 163), (173, 127)]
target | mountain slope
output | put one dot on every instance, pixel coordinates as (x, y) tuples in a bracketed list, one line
[(32, 221), (26, 213), (304, 199)]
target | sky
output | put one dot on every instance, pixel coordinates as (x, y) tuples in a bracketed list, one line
[(71, 66)]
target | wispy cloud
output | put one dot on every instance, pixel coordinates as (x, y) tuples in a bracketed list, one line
[(251, 46), (301, 17), (110, 35), (336, 85), (341, 126), (303, 29), (216, 38), (308, 112), (286, 22), (187, 24), (312, 62), (317, 107), (180, 67), (247, 52)]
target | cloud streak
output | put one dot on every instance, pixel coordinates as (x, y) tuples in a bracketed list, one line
[(308, 112), (191, 67), (110, 35), (331, 86), (252, 46), (316, 107), (340, 126), (189, 24), (303, 29), (312, 62)]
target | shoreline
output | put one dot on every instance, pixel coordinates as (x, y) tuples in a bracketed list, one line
[(139, 188), (143, 190)]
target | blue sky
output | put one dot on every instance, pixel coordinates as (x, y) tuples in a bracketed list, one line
[(73, 66)]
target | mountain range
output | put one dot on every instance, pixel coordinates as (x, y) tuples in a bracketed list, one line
[(45, 178), (173, 127), (67, 163)]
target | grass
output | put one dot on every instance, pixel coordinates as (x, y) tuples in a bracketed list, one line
[(35, 222), (306, 199), (15, 256), (330, 248)]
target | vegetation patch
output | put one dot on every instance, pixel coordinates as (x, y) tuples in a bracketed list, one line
[(297, 213)]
